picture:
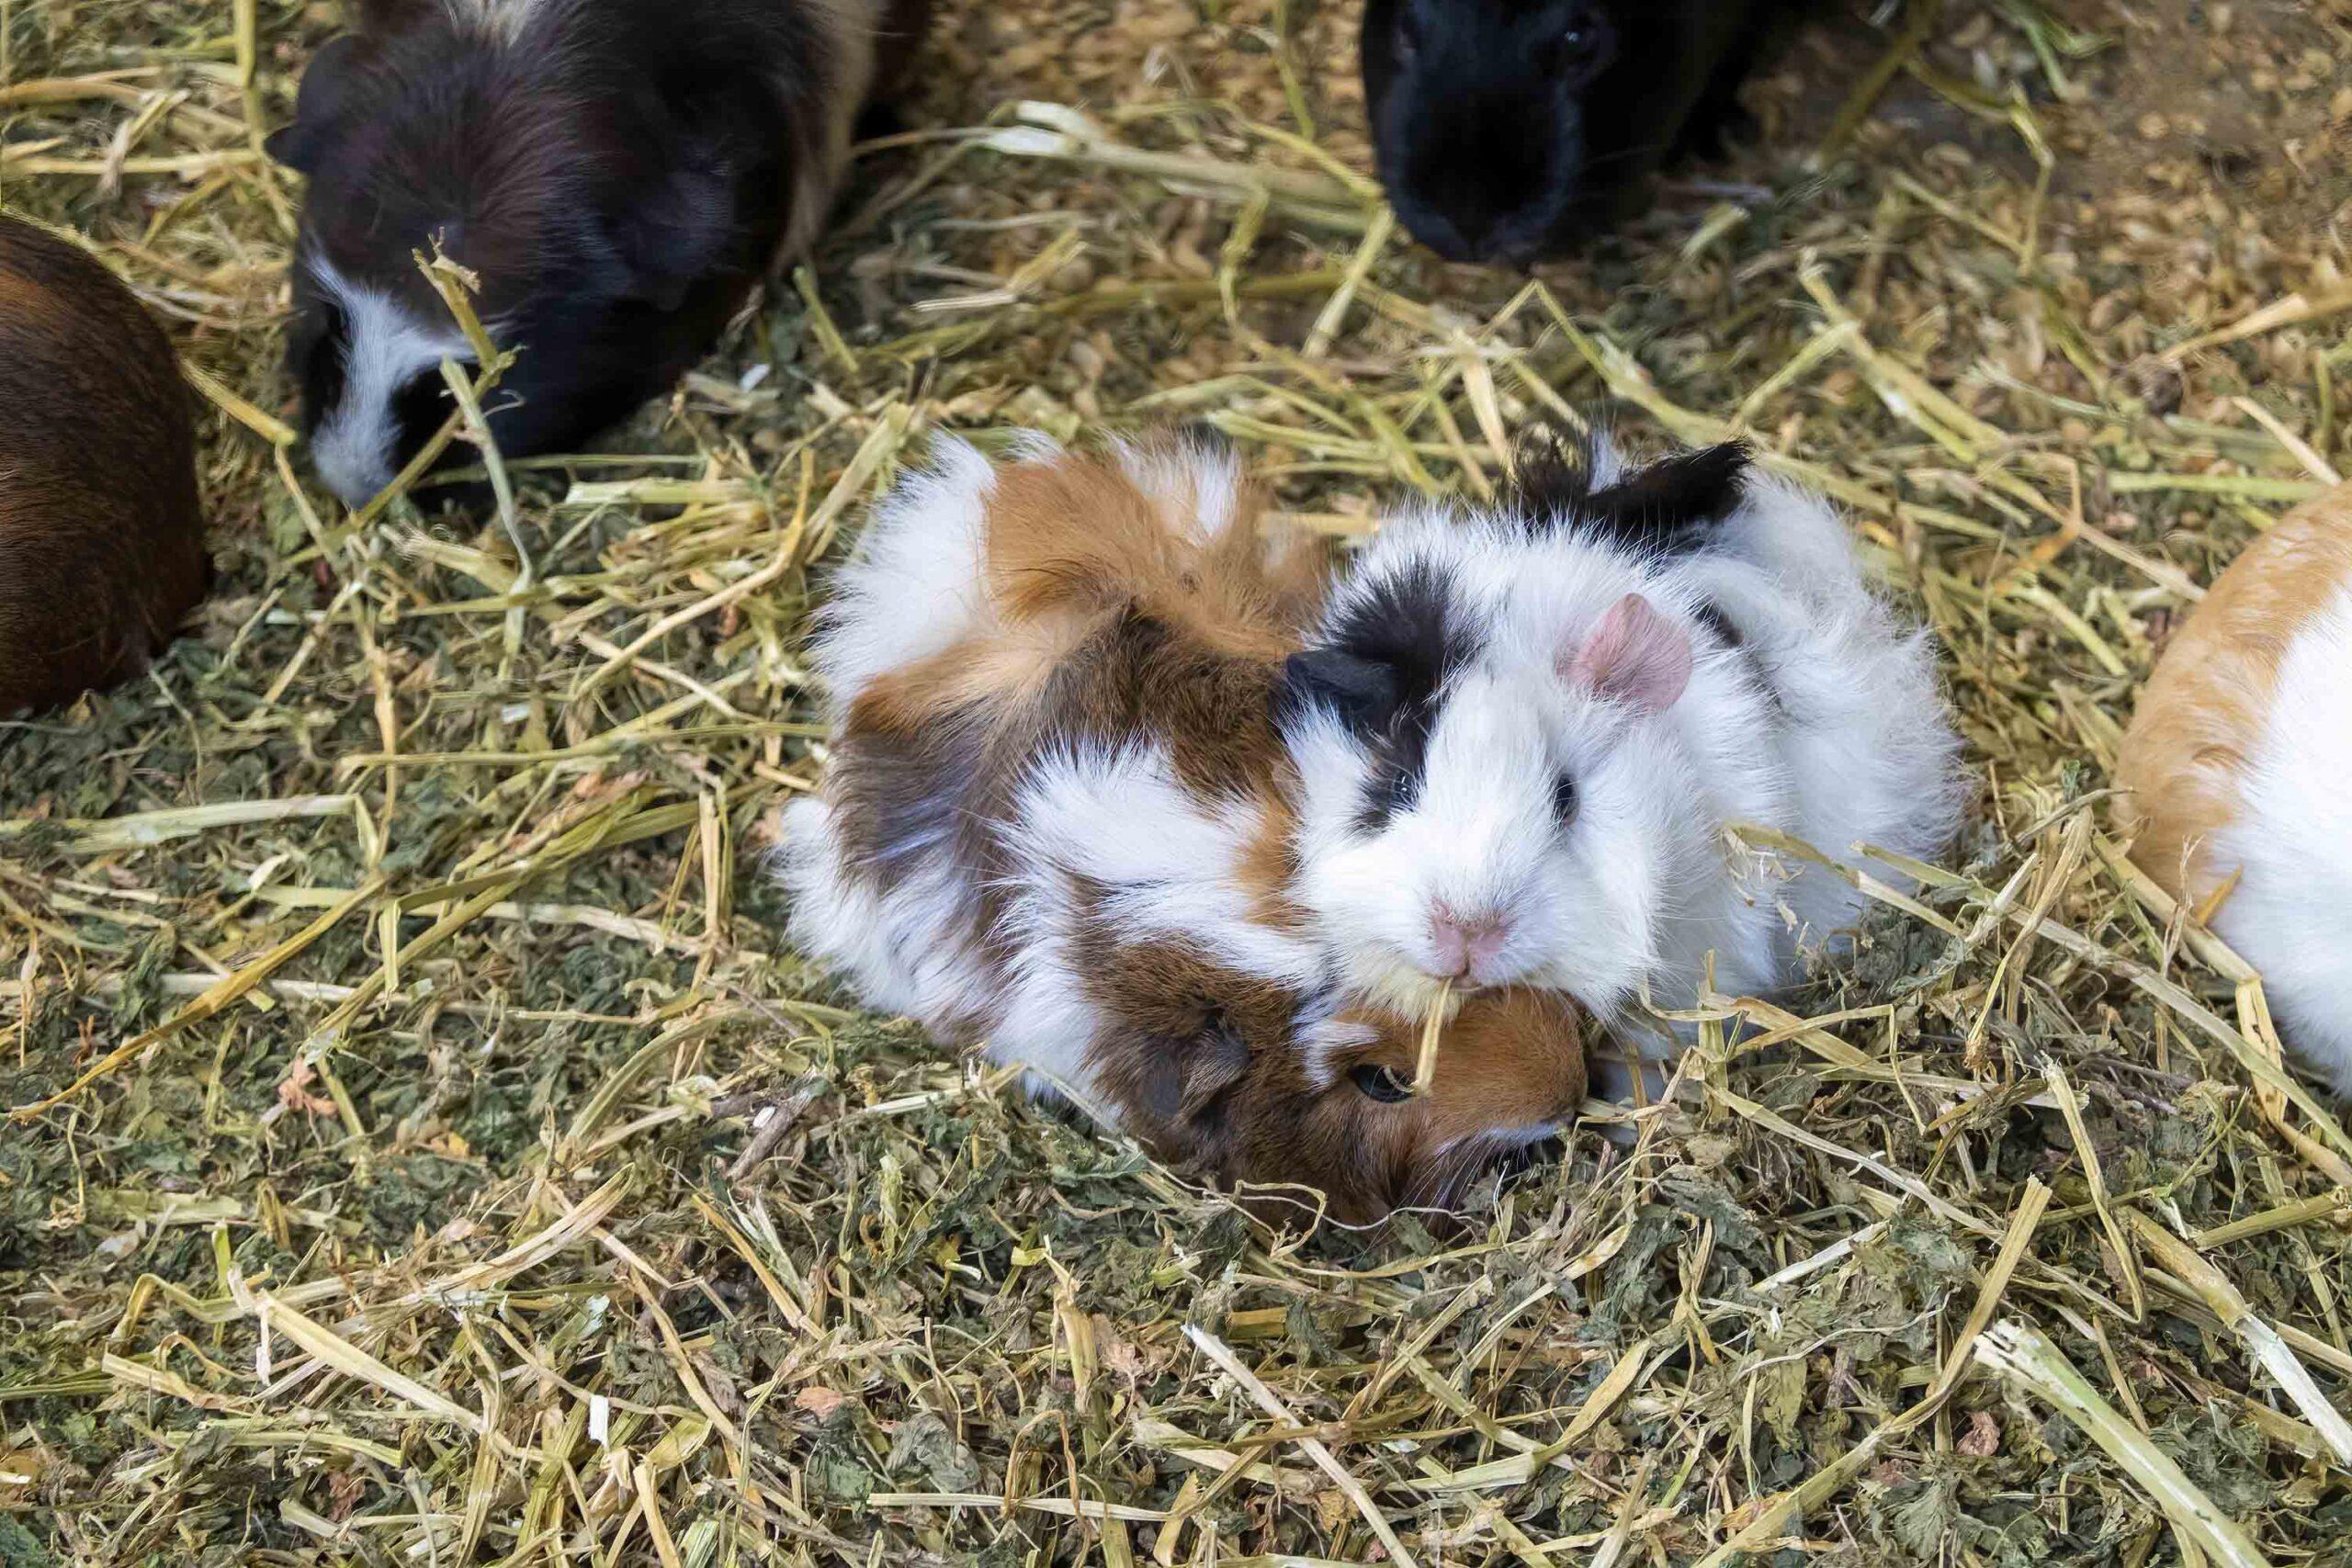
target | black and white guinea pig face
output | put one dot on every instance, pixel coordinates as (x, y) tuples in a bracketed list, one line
[(579, 249), (1490, 803)]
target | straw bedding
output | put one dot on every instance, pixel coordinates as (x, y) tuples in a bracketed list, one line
[(427, 1151)]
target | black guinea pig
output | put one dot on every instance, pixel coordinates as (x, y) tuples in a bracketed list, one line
[(619, 174), (1508, 131), (101, 540)]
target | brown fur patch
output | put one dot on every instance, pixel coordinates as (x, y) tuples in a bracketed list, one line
[(2184, 757), (101, 540), (1206, 1066)]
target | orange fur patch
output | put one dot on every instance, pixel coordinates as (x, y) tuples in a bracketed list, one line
[(2203, 709)]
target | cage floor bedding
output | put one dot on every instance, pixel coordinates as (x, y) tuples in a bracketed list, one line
[(423, 1147)]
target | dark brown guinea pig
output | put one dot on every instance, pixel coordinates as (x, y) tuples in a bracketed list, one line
[(101, 544), (1055, 817)]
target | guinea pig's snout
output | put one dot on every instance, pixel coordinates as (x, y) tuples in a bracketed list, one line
[(1465, 947), (1517, 1160)]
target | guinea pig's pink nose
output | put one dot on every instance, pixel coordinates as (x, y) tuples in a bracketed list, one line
[(1464, 944)]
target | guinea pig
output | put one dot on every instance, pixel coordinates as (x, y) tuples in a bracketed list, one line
[(2234, 764), (1524, 739), (618, 174), (1053, 817), (1508, 131), (101, 541)]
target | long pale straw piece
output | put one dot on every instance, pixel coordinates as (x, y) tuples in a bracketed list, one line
[(1432, 1031)]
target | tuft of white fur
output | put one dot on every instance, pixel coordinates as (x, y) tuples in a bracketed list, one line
[(1196, 486), (1828, 724), (1862, 720), (2291, 914), (497, 21), (915, 587), (1323, 1045), (384, 348)]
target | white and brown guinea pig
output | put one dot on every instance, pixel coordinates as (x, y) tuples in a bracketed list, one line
[(101, 541), (619, 174), (1053, 818), (2236, 766)]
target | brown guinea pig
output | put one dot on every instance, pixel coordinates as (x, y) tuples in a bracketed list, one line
[(2236, 764), (1055, 817), (101, 544)]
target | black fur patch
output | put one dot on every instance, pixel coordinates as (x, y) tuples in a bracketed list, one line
[(1512, 131), (1669, 508), (1380, 665)]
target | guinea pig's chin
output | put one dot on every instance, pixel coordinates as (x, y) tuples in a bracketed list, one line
[(1384, 978)]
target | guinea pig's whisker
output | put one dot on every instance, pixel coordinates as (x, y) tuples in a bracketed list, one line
[(1625, 154)]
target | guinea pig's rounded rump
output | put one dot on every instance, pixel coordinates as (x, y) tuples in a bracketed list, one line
[(2204, 713), (2234, 769), (101, 537)]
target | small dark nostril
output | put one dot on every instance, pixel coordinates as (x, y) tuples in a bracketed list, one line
[(1521, 1158)]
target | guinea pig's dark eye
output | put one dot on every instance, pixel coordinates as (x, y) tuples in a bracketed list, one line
[(1386, 1085), (1582, 45), (1396, 791), (1564, 798)]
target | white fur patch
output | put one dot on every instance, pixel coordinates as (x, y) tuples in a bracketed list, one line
[(1171, 863), (2292, 836), (499, 21), (356, 446), (1195, 486), (914, 588), (1322, 1043)]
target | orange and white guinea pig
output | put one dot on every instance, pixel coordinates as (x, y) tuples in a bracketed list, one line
[(1054, 819), (2239, 765)]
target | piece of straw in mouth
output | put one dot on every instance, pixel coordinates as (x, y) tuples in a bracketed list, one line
[(1432, 1030)]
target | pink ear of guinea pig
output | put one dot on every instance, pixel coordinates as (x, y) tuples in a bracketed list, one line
[(101, 542), (2237, 763)]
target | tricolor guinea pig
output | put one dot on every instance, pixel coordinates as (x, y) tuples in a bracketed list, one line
[(618, 174), (1053, 817), (2235, 768), (101, 541), (1524, 739), (1510, 130)]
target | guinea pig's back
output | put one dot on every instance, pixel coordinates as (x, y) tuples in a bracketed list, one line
[(998, 624), (2236, 760), (2249, 695), (101, 540)]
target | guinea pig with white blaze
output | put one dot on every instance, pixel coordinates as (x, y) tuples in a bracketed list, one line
[(1053, 817), (2234, 765), (1509, 130), (101, 536), (618, 174), (1525, 737)]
